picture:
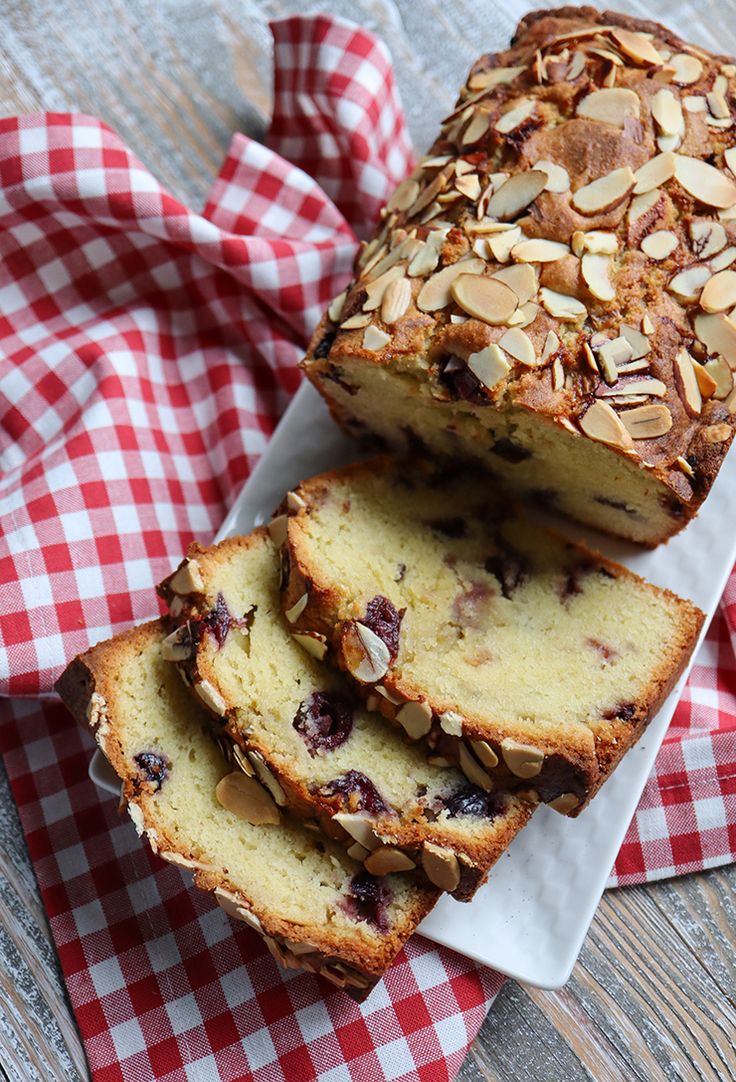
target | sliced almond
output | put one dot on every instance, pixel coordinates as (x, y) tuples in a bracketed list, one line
[(595, 271), (688, 284), (641, 204), (483, 751), (655, 172), (551, 345), (519, 345), (489, 366), (730, 158), (695, 103), (687, 383), (211, 697), (639, 342), (639, 387), (524, 314), (601, 423), (336, 306), (311, 641), (539, 250), (613, 106), (688, 69), (366, 656), (187, 579), (387, 860), (396, 300), (359, 829), (646, 324), (667, 111), (484, 298), (472, 769), (424, 261), (516, 116), (647, 422), (707, 238), (559, 305), (435, 293), (717, 332), (718, 105), (721, 375), (577, 66), (558, 375), (558, 178), (515, 194), (719, 292), (178, 646), (502, 244), (354, 323), (484, 80), (469, 186), (660, 244), (607, 367), (636, 47), (564, 803), (704, 182), (246, 798), (523, 760), (605, 193), (521, 278), (451, 723), (378, 286), (706, 384), (717, 433), (723, 259), (415, 719), (375, 338), (599, 243), (441, 866)]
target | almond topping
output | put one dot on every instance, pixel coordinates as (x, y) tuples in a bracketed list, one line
[(595, 270), (489, 366), (704, 182), (687, 384), (639, 342), (717, 433), (519, 345), (660, 244), (523, 760), (600, 423), (721, 375), (706, 384), (396, 300), (718, 334), (638, 387), (485, 753), (647, 422), (606, 192), (375, 339), (688, 69), (469, 186), (246, 798), (646, 324), (564, 803), (730, 157), (656, 171), (558, 178), (472, 769), (484, 80), (415, 719), (521, 278), (502, 244), (354, 323), (424, 260), (539, 250), (612, 106), (441, 866), (378, 287), (516, 116), (689, 283), (366, 656), (719, 292), (387, 860), (551, 345), (435, 293), (484, 298), (404, 196), (718, 105), (636, 47), (516, 194), (187, 579), (560, 306), (599, 243), (667, 111), (336, 306), (314, 643), (178, 645), (641, 204), (358, 827), (707, 238)]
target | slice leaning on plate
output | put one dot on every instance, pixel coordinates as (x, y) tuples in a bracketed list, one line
[(315, 907), (444, 604), (298, 726)]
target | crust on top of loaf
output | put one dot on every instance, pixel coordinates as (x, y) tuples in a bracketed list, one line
[(578, 694), (106, 688), (563, 299), (257, 705)]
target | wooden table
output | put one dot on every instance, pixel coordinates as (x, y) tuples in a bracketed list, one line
[(652, 996)]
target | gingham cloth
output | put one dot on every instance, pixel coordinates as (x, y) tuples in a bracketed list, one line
[(146, 352)]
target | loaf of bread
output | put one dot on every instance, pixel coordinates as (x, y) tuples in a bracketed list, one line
[(551, 293), (473, 627), (297, 725), (315, 907)]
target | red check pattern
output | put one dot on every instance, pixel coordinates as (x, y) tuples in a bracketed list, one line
[(146, 352)]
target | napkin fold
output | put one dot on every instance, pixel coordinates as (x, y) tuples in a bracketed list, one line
[(146, 353)]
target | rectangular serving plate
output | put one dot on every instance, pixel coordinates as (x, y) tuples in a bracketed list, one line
[(530, 919)]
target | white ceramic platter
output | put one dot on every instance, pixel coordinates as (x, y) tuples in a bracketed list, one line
[(531, 918)]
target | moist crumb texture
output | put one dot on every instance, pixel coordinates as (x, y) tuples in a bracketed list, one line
[(329, 759), (552, 291), (535, 656), (316, 907)]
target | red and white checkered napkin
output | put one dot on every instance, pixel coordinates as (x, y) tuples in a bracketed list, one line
[(145, 354)]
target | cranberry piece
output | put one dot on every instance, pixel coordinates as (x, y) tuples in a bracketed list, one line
[(324, 721), (624, 711), (508, 567), (472, 801), (384, 620), (218, 622), (325, 345), (471, 607), (512, 452), (449, 527), (360, 792), (456, 377), (154, 768), (368, 900), (335, 373)]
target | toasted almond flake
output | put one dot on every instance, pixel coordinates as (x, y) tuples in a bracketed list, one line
[(355, 322), (462, 167), (604, 364), (687, 384), (519, 345), (667, 111), (595, 271), (436, 162), (472, 769), (523, 760), (687, 69), (704, 182), (577, 66), (396, 301), (388, 860), (633, 366), (516, 116), (551, 345), (521, 278), (378, 287), (247, 799), (502, 244), (435, 187), (478, 126), (484, 80), (558, 178), (721, 375), (639, 342), (469, 186), (658, 170), (366, 656), (539, 250), (415, 718), (293, 614), (717, 332), (561, 306), (599, 243), (684, 465), (653, 388), (435, 293), (605, 193), (730, 158), (577, 243), (489, 365), (336, 306), (660, 244), (211, 697), (424, 262), (404, 196), (719, 122), (719, 292), (695, 103), (612, 106), (637, 47), (489, 225), (689, 283), (375, 338), (723, 259), (485, 753), (601, 423), (640, 204), (187, 579), (707, 238), (524, 315), (484, 298), (558, 375), (647, 422), (646, 324), (441, 866), (718, 105), (515, 194), (728, 214), (728, 70), (706, 384)]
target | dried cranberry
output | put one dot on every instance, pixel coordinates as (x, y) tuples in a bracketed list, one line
[(153, 767), (512, 452), (324, 721), (470, 608), (384, 620), (369, 899), (624, 711), (472, 801), (336, 374), (456, 377), (325, 344), (508, 567), (218, 622), (360, 791), (450, 527), (571, 585)]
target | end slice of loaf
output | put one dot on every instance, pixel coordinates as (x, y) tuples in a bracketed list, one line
[(298, 725), (431, 594), (315, 907)]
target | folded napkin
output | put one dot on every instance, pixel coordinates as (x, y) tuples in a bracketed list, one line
[(146, 353)]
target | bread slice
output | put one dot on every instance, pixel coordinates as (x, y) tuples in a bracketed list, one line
[(299, 726), (533, 299), (445, 605), (315, 907)]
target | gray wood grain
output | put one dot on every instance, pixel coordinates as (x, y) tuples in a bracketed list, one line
[(652, 997)]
